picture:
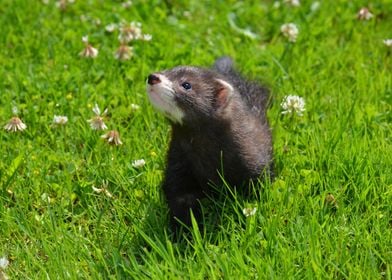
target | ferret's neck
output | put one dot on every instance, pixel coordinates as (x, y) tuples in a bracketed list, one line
[(229, 121)]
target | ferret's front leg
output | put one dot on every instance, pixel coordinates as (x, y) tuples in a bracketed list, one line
[(182, 190), (181, 203)]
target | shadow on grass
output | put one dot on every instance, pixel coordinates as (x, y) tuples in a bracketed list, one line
[(149, 245)]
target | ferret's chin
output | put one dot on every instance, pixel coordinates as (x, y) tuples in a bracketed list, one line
[(164, 102)]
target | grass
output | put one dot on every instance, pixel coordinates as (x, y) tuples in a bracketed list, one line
[(328, 213)]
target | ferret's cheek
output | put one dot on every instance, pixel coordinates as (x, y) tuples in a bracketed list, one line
[(181, 92)]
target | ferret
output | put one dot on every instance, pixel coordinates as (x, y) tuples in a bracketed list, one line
[(219, 130)]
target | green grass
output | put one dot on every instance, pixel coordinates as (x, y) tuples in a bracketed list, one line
[(54, 226)]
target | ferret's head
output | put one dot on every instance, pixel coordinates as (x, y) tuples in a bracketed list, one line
[(189, 94)]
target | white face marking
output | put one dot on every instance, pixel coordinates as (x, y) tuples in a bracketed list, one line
[(162, 98)]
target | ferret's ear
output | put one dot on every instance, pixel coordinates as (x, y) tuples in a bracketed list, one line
[(223, 94)]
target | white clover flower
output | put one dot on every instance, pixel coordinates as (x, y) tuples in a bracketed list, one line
[(62, 4), (364, 14), (126, 4), (84, 18), (15, 110), (147, 37), (290, 31), (45, 197), (135, 107), (187, 14), (15, 124), (112, 137), (89, 50), (4, 262), (293, 104), (388, 42), (97, 122), (138, 163), (97, 111), (315, 6), (103, 189), (111, 27), (249, 211), (3, 276), (130, 31), (60, 120), (124, 52), (294, 3)]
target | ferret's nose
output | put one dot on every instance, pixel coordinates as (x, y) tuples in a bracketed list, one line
[(153, 79)]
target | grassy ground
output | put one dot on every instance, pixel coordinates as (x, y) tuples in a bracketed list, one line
[(328, 213)]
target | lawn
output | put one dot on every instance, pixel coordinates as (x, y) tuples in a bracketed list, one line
[(74, 206)]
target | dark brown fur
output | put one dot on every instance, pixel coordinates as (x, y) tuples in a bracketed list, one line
[(219, 133)]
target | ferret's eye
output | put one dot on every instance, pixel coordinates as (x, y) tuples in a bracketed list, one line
[(186, 85)]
